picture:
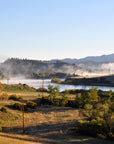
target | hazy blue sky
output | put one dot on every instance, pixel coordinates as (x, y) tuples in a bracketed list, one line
[(49, 29)]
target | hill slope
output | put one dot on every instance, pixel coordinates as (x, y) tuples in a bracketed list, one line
[(93, 64), (15, 66)]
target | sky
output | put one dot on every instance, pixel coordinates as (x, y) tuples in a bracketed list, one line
[(56, 29)]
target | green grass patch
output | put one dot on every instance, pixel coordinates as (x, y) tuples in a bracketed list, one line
[(17, 88)]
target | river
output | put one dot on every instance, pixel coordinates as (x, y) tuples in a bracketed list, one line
[(37, 83)]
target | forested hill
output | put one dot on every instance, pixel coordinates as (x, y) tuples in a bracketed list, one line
[(14, 66), (88, 65)]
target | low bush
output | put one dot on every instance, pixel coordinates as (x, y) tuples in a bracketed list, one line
[(56, 80), (71, 91), (17, 106), (70, 103), (31, 104), (3, 109), (93, 128), (20, 98), (111, 135), (42, 90), (101, 136), (56, 102), (43, 101), (15, 97), (63, 100)]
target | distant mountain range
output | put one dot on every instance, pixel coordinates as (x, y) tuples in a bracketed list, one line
[(93, 59), (92, 64)]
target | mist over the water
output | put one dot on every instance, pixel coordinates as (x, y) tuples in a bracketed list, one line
[(37, 83), (108, 67)]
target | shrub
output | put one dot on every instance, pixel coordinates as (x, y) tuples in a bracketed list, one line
[(111, 135), (31, 104), (56, 80), (56, 101), (42, 90), (101, 136), (92, 96), (70, 103), (82, 126), (53, 93), (44, 101), (4, 96), (88, 110), (20, 98), (17, 106), (3, 109), (92, 128), (71, 91), (13, 97), (112, 106), (79, 100), (64, 99)]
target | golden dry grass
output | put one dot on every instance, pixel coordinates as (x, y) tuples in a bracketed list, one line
[(35, 95), (40, 115), (5, 139), (44, 125)]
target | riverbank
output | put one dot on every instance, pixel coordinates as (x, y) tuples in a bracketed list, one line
[(37, 83), (91, 81)]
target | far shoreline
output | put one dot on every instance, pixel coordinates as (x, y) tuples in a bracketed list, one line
[(104, 80)]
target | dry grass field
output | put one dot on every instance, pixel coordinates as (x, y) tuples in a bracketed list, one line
[(43, 125)]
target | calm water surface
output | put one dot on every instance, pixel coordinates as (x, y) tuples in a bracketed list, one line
[(36, 83)]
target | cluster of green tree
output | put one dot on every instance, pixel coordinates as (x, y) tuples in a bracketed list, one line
[(57, 98), (88, 81), (98, 110), (26, 67), (49, 75), (22, 61)]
